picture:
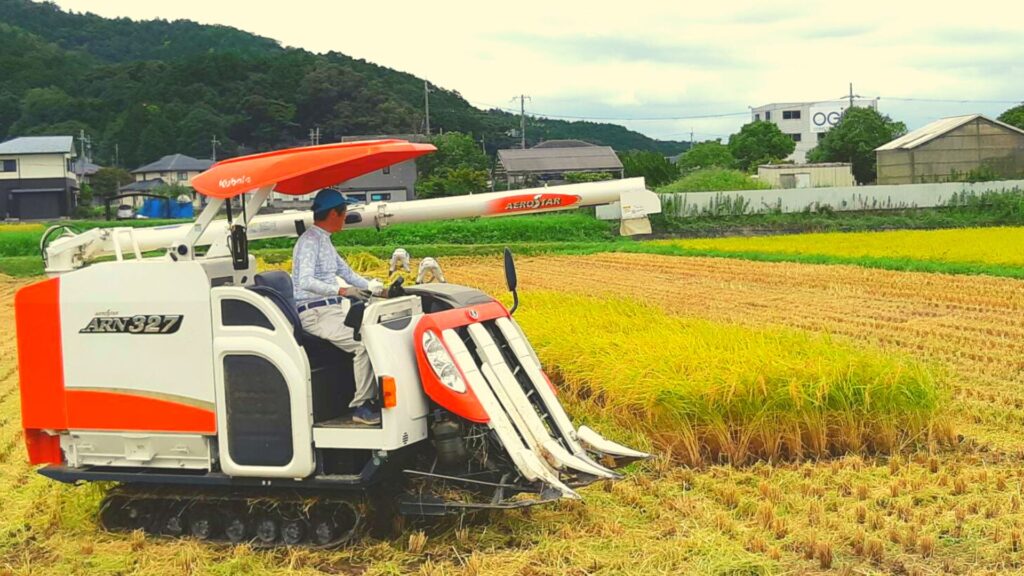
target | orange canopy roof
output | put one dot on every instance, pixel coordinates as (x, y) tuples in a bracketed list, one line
[(304, 170)]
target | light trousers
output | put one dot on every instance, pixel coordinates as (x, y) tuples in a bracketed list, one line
[(328, 323)]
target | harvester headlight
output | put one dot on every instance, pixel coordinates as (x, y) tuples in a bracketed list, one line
[(442, 363)]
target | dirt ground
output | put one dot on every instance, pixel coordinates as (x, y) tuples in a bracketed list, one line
[(955, 511)]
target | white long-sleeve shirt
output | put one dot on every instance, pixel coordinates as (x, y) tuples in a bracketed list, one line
[(316, 266)]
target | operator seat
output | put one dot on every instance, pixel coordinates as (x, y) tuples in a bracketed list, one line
[(331, 367)]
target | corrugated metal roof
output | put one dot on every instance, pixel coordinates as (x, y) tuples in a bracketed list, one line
[(175, 162), (932, 131), (564, 144), (560, 159), (39, 145)]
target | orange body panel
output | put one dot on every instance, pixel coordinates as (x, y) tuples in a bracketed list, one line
[(98, 410), (40, 368), (304, 170), (40, 357)]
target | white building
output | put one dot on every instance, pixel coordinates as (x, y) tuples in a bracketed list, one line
[(806, 122)]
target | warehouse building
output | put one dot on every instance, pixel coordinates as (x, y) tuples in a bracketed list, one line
[(824, 175), (806, 122), (951, 149), (550, 161), (37, 178)]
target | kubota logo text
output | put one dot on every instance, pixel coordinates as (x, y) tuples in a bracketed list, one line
[(528, 202), (232, 182)]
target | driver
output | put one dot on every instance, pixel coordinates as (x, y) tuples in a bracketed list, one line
[(316, 266)]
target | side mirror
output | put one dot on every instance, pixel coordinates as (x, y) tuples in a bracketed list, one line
[(353, 218), (511, 280), (510, 271)]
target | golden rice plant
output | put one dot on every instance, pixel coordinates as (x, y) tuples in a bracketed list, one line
[(712, 392), (364, 263), (997, 246)]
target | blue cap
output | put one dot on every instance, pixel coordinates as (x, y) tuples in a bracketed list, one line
[(328, 198)]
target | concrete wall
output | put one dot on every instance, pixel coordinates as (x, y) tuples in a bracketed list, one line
[(971, 146), (849, 198), (34, 166)]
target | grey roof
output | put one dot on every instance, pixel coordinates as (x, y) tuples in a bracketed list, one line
[(421, 138), (564, 144), (929, 132), (39, 145), (143, 186), (83, 166), (174, 163), (560, 159)]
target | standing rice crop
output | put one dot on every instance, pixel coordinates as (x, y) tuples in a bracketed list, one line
[(712, 392)]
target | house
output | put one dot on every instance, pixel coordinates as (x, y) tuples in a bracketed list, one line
[(550, 161), (84, 169), (173, 169), (37, 178), (823, 175), (395, 183), (950, 149)]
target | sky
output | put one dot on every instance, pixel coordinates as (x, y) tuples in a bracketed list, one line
[(660, 68)]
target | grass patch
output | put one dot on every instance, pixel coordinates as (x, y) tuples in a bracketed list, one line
[(714, 180), (710, 392)]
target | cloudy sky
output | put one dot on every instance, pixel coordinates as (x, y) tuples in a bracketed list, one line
[(658, 67)]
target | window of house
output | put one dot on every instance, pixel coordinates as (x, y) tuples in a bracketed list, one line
[(757, 117), (796, 137), (182, 176), (767, 115), (9, 166), (821, 136), (70, 165), (790, 114), (386, 170), (380, 196)]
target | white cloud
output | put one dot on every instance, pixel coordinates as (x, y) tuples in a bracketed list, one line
[(655, 59)]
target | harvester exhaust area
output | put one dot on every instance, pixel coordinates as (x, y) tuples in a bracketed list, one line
[(250, 439)]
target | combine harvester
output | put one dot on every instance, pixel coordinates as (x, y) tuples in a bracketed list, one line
[(187, 379)]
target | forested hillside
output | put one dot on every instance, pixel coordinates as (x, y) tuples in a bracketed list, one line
[(157, 87)]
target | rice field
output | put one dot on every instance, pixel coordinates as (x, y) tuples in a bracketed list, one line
[(705, 330), (992, 246)]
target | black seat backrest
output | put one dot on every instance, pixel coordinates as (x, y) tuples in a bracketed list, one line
[(277, 286)]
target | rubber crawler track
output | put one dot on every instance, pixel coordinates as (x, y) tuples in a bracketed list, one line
[(261, 520)]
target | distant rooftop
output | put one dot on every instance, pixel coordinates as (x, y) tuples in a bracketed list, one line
[(570, 159), (175, 163), (564, 144), (39, 145), (929, 132)]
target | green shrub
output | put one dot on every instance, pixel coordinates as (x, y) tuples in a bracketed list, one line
[(714, 180)]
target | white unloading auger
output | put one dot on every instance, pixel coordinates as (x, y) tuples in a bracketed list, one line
[(627, 200)]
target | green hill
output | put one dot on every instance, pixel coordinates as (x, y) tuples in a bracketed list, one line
[(157, 87)]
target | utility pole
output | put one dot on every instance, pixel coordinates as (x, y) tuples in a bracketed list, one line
[(426, 103), (117, 155), (851, 94), (314, 136), (213, 144), (82, 140), (522, 120), (691, 137)]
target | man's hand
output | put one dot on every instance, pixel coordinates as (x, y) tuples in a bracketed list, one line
[(353, 292), (376, 287)]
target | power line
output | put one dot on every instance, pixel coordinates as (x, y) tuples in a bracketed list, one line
[(733, 114)]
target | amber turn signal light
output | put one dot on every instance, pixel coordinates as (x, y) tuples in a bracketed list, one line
[(389, 397)]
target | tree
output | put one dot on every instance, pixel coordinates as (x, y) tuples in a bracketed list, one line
[(458, 167), (1014, 116), (854, 139), (711, 154), (652, 166), (759, 143), (107, 181)]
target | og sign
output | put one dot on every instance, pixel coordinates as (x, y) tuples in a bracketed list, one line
[(825, 116)]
